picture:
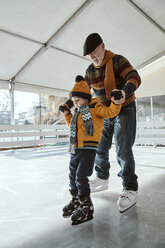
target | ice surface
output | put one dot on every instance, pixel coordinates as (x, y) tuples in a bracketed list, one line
[(34, 189)]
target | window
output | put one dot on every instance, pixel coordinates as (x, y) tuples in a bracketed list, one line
[(158, 108), (144, 109), (49, 109), (25, 107)]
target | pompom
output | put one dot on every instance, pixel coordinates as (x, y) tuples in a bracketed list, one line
[(79, 78)]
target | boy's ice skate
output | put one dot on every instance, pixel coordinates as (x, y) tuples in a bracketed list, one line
[(98, 185), (84, 212), (69, 209), (127, 199)]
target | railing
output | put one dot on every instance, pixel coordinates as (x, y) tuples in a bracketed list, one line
[(14, 136), (150, 133)]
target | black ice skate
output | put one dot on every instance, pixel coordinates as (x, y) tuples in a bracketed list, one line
[(84, 212), (69, 209)]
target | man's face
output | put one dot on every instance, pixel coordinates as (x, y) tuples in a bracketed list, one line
[(78, 101), (97, 55)]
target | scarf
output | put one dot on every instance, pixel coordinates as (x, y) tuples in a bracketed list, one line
[(109, 81), (88, 123)]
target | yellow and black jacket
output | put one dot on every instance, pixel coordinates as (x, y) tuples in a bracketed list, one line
[(98, 112)]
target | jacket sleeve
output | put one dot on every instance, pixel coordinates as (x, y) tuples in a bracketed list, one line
[(69, 104), (107, 112), (68, 119), (86, 77), (129, 74)]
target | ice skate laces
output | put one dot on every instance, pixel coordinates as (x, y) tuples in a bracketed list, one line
[(125, 194)]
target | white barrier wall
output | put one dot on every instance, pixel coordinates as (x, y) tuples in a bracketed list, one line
[(150, 133), (12, 136), (16, 136)]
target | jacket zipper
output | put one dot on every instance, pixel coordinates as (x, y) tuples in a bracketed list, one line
[(76, 131)]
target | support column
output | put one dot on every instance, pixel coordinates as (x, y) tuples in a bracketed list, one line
[(40, 108), (152, 114), (11, 92)]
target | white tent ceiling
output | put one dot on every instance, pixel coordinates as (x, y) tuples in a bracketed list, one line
[(41, 41)]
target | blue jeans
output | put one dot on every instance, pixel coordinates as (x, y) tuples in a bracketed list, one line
[(123, 127)]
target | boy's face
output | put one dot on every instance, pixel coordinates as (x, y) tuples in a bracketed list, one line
[(78, 101)]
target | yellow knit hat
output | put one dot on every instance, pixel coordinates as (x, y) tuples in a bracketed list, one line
[(81, 89)]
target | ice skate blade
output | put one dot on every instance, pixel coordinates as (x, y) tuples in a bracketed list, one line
[(99, 190), (66, 216), (81, 221), (123, 211)]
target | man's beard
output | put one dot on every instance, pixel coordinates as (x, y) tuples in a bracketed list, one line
[(99, 60)]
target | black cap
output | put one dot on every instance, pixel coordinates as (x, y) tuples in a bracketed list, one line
[(92, 41)]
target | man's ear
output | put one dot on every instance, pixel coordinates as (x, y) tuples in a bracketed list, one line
[(102, 45)]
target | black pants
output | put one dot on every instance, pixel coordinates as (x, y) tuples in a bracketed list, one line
[(81, 167)]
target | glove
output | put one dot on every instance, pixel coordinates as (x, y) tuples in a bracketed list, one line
[(117, 94), (62, 108)]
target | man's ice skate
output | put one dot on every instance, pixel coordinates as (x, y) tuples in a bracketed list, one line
[(84, 212), (127, 199), (98, 185), (70, 208)]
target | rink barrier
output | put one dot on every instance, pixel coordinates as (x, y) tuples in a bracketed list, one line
[(18, 136), (150, 133)]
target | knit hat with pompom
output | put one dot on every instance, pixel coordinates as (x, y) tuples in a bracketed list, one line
[(81, 88)]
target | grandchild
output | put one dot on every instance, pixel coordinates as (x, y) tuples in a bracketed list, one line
[(85, 133)]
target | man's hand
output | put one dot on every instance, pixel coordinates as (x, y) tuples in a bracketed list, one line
[(118, 101)]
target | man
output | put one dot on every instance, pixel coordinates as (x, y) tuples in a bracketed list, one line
[(111, 74)]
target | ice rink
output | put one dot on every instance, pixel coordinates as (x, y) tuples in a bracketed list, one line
[(34, 189)]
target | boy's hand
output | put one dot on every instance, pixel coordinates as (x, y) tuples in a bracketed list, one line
[(63, 108), (118, 96)]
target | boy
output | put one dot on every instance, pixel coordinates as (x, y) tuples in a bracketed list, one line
[(85, 133)]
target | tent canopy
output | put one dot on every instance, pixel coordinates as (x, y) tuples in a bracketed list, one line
[(41, 41)]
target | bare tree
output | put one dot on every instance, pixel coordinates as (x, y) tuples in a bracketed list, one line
[(4, 100), (50, 112)]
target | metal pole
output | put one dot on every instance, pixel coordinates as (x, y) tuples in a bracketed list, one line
[(39, 108), (11, 92), (152, 114), (152, 122), (135, 6)]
